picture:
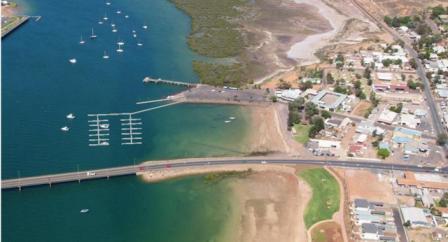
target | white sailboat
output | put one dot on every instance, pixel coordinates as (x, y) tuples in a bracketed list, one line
[(145, 26), (108, 3), (112, 25), (81, 42), (114, 29), (93, 35), (70, 116), (65, 129), (105, 56), (120, 42), (105, 17), (139, 43), (118, 12), (126, 16), (120, 50), (100, 22), (134, 35), (73, 61)]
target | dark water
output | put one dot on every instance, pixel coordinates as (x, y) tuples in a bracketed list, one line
[(40, 87)]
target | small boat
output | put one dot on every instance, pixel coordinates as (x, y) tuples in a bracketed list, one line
[(118, 12), (105, 56), (85, 210), (70, 116), (65, 128), (145, 26), (108, 3), (104, 143), (227, 121), (139, 44), (105, 17), (120, 50), (112, 25), (100, 22), (81, 42), (120, 42), (126, 16), (104, 126), (133, 31), (114, 30), (232, 118), (73, 61), (135, 35), (93, 35)]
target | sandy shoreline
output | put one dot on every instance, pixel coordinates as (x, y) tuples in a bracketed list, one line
[(268, 204), (304, 50)]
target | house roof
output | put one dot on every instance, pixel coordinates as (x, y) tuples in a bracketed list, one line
[(361, 203), (414, 215), (369, 228), (406, 131)]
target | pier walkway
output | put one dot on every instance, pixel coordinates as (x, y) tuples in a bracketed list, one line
[(79, 176), (168, 82)]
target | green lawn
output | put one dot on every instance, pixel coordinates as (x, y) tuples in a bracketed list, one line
[(301, 135), (325, 200)]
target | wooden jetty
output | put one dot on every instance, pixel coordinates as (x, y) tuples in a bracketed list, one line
[(168, 82)]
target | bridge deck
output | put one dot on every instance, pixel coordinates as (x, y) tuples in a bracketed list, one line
[(131, 170)]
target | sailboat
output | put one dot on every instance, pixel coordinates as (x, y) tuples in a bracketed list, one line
[(120, 42), (93, 35), (73, 61), (81, 42), (139, 43), (114, 29), (120, 50), (145, 26), (105, 56)]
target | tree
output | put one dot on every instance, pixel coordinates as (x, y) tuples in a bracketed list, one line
[(293, 118), (357, 84), (373, 99), (412, 85), (413, 63), (387, 62), (367, 73), (438, 10), (441, 139), (407, 224), (396, 108), (325, 114), (318, 125), (310, 110), (284, 85), (274, 99), (306, 85), (383, 153), (330, 79)]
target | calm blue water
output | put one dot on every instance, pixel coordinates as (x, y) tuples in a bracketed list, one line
[(121, 209), (40, 87)]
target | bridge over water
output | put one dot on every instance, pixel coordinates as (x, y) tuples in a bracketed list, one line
[(79, 176)]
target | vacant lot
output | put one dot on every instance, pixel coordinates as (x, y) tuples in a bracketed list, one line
[(361, 108), (301, 134), (326, 232), (378, 188), (326, 195)]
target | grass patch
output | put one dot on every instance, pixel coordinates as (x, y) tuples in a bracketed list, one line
[(219, 176), (326, 195), (318, 236), (302, 132), (233, 75)]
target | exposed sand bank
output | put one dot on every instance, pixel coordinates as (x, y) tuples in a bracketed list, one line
[(268, 204), (304, 50)]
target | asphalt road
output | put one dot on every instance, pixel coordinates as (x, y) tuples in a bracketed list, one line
[(130, 170)]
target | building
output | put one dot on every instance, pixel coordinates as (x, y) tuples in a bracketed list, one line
[(403, 136), (415, 216), (443, 212), (387, 116), (331, 101), (288, 95), (370, 231), (429, 181), (409, 120)]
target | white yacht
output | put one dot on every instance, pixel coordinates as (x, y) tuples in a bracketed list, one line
[(112, 25), (135, 35), (108, 3), (114, 30), (105, 56), (120, 50), (145, 26), (126, 16), (93, 35), (73, 61), (100, 22), (133, 31), (105, 17), (120, 42), (118, 12), (85, 210), (104, 143), (232, 118), (227, 121), (65, 129), (104, 126), (81, 42), (70, 116), (139, 43)]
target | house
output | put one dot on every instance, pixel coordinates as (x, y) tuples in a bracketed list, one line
[(366, 127), (330, 101), (443, 212), (409, 120), (387, 116), (326, 144), (356, 149), (444, 18), (370, 231), (403, 136), (415, 216), (361, 205)]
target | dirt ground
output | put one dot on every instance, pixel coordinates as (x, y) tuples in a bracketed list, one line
[(376, 190), (399, 7), (327, 232), (361, 108), (421, 235)]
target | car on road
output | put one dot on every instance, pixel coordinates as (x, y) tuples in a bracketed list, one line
[(263, 162), (90, 173)]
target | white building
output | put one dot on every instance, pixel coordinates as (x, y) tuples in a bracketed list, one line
[(416, 216)]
